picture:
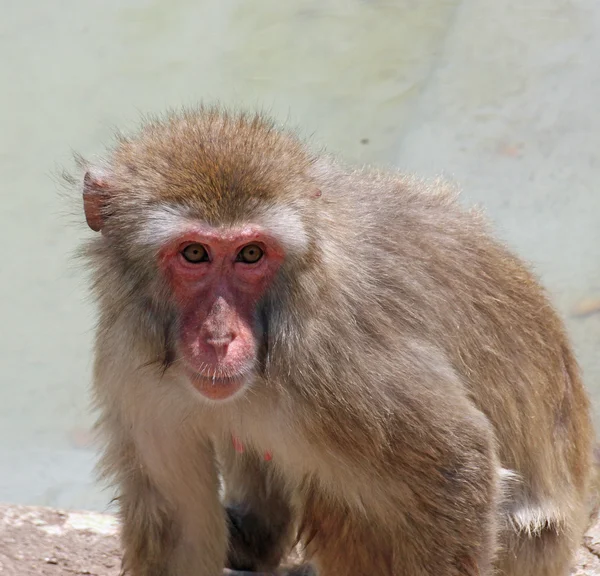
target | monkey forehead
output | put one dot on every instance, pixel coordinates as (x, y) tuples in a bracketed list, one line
[(166, 224), (224, 166)]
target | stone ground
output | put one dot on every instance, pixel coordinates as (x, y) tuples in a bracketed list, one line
[(37, 541), (499, 95), (45, 542)]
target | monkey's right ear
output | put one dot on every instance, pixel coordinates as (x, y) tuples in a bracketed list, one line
[(95, 198)]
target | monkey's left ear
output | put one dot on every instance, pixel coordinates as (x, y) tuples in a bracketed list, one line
[(95, 198)]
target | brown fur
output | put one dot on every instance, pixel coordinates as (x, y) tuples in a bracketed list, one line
[(406, 359)]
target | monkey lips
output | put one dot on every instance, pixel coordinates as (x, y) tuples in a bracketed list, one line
[(217, 388)]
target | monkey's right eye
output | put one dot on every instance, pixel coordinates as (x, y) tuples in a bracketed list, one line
[(195, 253)]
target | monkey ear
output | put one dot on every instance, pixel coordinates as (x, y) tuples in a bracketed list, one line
[(95, 197)]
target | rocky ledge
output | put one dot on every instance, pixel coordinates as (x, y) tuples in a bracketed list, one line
[(46, 542)]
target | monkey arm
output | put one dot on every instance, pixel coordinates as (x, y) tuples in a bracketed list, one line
[(173, 523), (164, 465)]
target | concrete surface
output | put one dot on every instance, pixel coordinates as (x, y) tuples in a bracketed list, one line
[(500, 95), (38, 541)]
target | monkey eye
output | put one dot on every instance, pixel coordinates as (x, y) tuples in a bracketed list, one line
[(250, 254), (195, 253)]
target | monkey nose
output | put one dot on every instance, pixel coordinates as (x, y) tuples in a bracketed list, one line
[(220, 345)]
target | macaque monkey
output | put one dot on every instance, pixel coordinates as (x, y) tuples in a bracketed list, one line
[(368, 371)]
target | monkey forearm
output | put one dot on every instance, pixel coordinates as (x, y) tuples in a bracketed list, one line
[(161, 539), (173, 521)]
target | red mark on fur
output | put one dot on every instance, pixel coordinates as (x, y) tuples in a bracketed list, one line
[(237, 444), (239, 448)]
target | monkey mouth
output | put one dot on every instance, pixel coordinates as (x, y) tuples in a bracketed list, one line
[(216, 387)]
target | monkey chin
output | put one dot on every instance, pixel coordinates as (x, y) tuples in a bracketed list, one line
[(217, 389)]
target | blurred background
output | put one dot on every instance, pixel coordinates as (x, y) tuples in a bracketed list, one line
[(500, 96)]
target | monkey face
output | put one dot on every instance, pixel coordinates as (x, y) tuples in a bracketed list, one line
[(217, 277)]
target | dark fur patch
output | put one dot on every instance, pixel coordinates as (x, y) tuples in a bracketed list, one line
[(250, 540)]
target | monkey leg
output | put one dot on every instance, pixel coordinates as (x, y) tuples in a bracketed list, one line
[(258, 510), (340, 543), (540, 543), (173, 522), (547, 553), (424, 512)]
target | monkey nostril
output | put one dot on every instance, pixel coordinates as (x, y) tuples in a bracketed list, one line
[(220, 345)]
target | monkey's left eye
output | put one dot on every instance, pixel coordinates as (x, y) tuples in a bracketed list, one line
[(250, 254), (195, 253)]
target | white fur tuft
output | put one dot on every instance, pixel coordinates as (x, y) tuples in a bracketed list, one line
[(287, 227), (166, 222), (162, 224)]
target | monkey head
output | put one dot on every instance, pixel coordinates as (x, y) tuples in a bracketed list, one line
[(194, 217)]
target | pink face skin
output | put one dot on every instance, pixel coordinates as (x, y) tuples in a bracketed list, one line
[(217, 299)]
